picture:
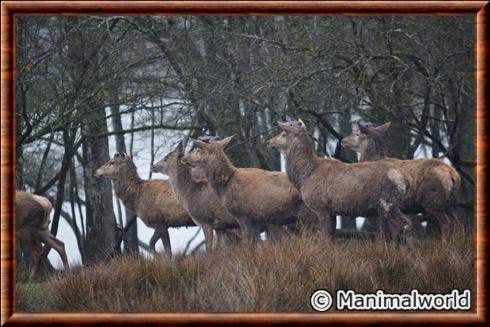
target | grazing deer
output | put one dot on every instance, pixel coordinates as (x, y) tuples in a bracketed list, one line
[(32, 223), (433, 184), (196, 196), (255, 197), (151, 200), (329, 186)]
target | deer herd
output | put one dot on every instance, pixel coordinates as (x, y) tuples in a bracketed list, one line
[(234, 204)]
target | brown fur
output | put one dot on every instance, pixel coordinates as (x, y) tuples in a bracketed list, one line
[(433, 184), (197, 197), (329, 186), (32, 222), (152, 200), (254, 196)]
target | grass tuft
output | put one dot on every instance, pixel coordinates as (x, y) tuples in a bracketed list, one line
[(272, 277)]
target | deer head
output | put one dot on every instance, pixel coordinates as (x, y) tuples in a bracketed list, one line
[(168, 165), (353, 141), (209, 139), (371, 129), (290, 130), (114, 167), (367, 132), (203, 152)]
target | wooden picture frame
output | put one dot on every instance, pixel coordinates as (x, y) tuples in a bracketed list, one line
[(12, 8)]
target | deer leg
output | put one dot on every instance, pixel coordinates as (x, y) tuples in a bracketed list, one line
[(165, 237), (274, 232), (437, 224), (332, 225), (383, 227), (227, 237), (445, 223), (371, 224), (399, 225), (37, 254), (383, 218), (433, 227), (220, 240), (416, 223), (32, 245), (153, 241), (56, 244), (388, 214), (254, 233), (248, 232), (208, 237), (328, 223), (23, 238)]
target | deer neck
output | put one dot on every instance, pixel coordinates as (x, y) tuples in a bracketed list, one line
[(372, 149), (182, 181), (128, 187), (301, 161), (219, 173)]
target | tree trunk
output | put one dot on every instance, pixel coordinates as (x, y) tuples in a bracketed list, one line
[(98, 192), (349, 156), (465, 136), (131, 237), (398, 140), (84, 56)]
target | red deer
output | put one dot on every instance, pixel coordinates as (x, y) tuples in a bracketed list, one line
[(196, 196), (306, 222), (432, 183), (151, 200), (32, 223), (330, 187), (255, 197)]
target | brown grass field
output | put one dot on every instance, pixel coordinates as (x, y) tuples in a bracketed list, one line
[(273, 277)]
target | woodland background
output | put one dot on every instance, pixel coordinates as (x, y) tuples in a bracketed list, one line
[(144, 83)]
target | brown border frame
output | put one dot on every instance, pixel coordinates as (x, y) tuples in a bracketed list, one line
[(10, 8)]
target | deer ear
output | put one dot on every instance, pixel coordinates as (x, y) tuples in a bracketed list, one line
[(286, 127), (383, 128), (200, 144), (302, 124), (203, 138), (180, 147), (363, 128), (225, 142)]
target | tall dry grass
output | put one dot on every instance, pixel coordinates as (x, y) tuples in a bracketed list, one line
[(272, 277)]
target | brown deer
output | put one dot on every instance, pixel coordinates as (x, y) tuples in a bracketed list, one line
[(255, 197), (306, 222), (152, 200), (32, 223), (329, 186), (196, 196), (433, 184)]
